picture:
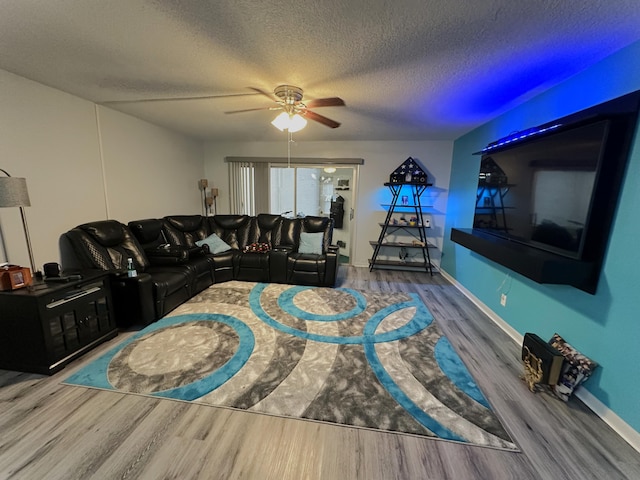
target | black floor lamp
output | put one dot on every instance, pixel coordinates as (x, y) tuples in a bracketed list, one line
[(14, 193)]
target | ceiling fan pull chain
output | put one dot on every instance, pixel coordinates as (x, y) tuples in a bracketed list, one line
[(289, 140)]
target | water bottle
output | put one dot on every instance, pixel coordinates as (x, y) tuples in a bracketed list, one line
[(131, 270)]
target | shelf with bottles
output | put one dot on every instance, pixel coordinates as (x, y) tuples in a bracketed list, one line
[(402, 222), (403, 231)]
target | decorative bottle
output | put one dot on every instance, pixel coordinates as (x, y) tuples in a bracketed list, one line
[(131, 270)]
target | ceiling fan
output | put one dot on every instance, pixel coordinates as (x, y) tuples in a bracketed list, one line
[(289, 99)]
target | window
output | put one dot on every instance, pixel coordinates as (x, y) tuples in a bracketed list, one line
[(300, 191)]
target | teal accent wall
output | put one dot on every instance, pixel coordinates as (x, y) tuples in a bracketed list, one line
[(604, 326)]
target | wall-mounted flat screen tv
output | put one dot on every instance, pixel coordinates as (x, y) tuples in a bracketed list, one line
[(546, 197), (541, 192)]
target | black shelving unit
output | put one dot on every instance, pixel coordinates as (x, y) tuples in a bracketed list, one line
[(418, 231)]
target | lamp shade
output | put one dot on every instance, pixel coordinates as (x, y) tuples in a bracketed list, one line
[(13, 192)]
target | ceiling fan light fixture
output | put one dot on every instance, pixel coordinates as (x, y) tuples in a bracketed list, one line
[(281, 122), (297, 123), (285, 121)]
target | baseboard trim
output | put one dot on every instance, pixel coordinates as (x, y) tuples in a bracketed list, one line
[(508, 329), (631, 436), (610, 418)]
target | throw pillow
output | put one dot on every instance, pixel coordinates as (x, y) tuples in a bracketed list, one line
[(577, 368), (311, 243), (215, 244)]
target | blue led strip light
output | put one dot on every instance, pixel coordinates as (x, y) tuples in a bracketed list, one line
[(518, 136)]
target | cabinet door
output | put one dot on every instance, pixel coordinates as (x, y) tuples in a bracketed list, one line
[(63, 335), (93, 319), (78, 320)]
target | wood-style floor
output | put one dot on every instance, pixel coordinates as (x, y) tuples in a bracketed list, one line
[(52, 431)]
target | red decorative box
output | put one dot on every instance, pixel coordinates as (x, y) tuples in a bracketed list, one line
[(13, 277)]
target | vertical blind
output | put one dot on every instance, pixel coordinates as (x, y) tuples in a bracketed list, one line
[(249, 186)]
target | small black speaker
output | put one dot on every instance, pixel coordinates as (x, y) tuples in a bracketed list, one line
[(51, 269)]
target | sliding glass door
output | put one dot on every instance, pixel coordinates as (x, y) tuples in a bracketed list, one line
[(318, 191), (300, 191)]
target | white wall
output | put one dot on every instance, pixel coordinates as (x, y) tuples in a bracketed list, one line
[(52, 139), (150, 172), (380, 159)]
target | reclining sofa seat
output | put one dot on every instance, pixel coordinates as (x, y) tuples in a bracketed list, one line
[(240, 231), (168, 245), (107, 245), (234, 230), (312, 268)]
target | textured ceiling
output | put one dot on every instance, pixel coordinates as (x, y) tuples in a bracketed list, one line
[(407, 70)]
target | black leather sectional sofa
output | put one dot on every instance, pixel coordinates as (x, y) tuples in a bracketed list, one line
[(177, 256)]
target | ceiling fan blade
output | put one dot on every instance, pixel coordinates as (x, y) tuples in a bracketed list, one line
[(174, 99), (325, 102), (321, 119), (270, 96), (254, 109)]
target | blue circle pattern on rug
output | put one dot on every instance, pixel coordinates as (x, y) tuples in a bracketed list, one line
[(97, 371), (420, 320), (449, 362), (285, 302)]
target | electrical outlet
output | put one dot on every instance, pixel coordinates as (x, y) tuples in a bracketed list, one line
[(503, 299)]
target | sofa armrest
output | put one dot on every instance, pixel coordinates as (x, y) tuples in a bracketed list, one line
[(283, 248), (196, 251), (168, 255), (331, 268), (278, 263)]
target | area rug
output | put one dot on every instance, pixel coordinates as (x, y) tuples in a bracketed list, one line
[(362, 359)]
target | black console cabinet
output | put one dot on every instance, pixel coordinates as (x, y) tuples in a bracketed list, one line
[(538, 265), (45, 326)]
